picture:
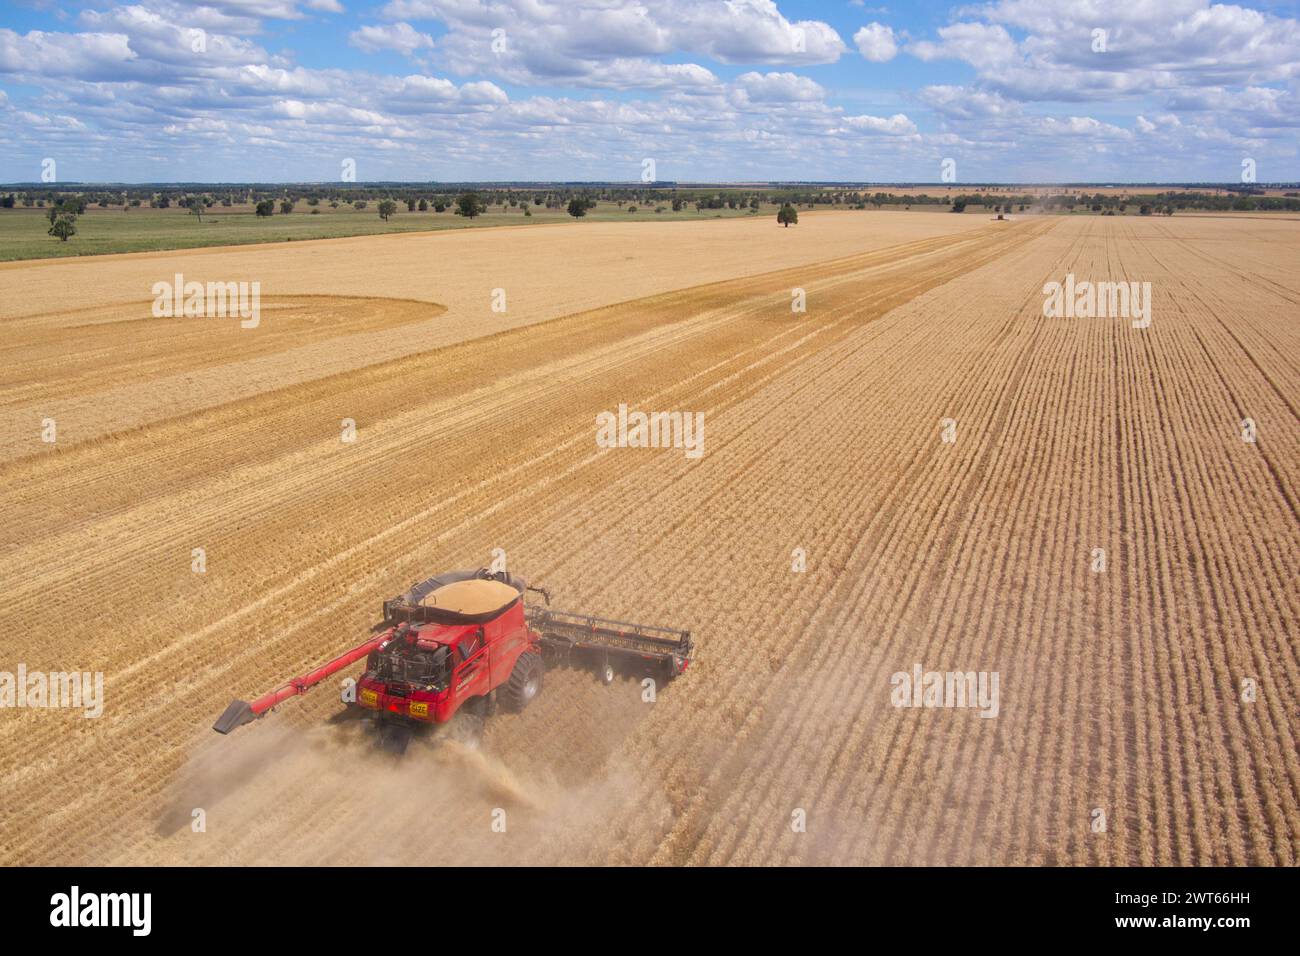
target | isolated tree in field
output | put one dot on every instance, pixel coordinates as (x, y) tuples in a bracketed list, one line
[(386, 209), (266, 208), (577, 208), (286, 206), (359, 204), (195, 205), (959, 205), (71, 206), (64, 227), (470, 205), (424, 205), (410, 205), (787, 215)]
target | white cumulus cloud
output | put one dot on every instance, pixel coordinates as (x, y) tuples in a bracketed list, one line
[(399, 37), (876, 42), (779, 88)]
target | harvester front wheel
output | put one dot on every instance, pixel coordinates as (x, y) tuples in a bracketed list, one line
[(525, 681)]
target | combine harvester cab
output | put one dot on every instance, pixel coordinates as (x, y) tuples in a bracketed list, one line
[(463, 640)]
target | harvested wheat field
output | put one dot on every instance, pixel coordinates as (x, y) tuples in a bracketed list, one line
[(1070, 504)]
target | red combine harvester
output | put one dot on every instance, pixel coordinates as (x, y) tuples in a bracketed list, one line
[(463, 641)]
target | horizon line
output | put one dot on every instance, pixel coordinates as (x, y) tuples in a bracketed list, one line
[(661, 184)]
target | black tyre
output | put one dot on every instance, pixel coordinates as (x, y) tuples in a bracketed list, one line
[(525, 681), (394, 736)]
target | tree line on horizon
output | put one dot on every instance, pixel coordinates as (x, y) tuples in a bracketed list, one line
[(74, 200)]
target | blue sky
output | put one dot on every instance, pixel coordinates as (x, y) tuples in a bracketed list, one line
[(730, 90)]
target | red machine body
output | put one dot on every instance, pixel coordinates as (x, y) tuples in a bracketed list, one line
[(482, 657), (440, 653), (423, 672)]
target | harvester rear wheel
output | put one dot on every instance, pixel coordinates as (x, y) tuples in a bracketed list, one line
[(525, 681)]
